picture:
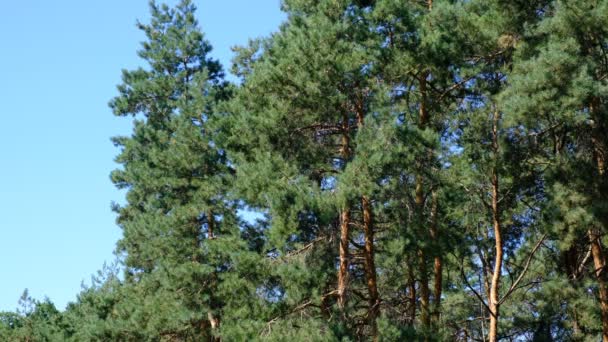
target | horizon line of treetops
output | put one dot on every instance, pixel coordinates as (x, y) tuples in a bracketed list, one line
[(419, 171)]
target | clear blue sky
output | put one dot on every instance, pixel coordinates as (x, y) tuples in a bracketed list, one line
[(60, 63)]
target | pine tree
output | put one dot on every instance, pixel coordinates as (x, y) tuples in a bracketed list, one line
[(34, 321), (417, 170), (559, 86), (295, 121), (178, 219)]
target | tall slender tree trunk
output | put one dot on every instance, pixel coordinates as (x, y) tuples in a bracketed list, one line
[(599, 259), (425, 316), (344, 256), (215, 326), (438, 265), (368, 232), (419, 199), (344, 223), (599, 263), (423, 119), (214, 321), (494, 287), (370, 266), (412, 295)]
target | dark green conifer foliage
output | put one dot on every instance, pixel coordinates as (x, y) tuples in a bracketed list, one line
[(179, 225), (559, 95), (421, 170), (292, 133), (492, 169), (34, 321), (424, 66)]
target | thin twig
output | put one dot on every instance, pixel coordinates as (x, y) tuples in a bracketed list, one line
[(464, 278), (524, 271)]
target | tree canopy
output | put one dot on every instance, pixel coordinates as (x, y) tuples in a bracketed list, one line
[(382, 170)]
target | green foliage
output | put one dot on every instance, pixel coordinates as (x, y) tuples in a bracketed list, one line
[(430, 123)]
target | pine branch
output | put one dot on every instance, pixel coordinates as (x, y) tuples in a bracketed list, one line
[(581, 267), (524, 271), (464, 278), (298, 308), (302, 249)]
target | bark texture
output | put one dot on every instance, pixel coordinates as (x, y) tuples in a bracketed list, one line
[(344, 223), (494, 300), (599, 259)]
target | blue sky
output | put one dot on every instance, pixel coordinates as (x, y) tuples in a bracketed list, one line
[(60, 63)]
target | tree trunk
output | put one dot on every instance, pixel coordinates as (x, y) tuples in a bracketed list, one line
[(412, 294), (494, 287), (215, 325), (599, 263), (424, 279), (438, 265), (599, 259), (214, 321), (368, 232), (344, 257), (425, 317), (344, 223), (370, 266)]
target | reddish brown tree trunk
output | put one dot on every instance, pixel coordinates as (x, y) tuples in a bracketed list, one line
[(599, 263), (425, 317), (368, 232), (494, 286), (344, 257), (344, 223), (419, 199), (494, 304), (370, 266), (599, 259), (438, 265), (214, 321), (412, 294)]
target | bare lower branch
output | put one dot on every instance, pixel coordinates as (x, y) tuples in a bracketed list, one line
[(524, 271), (466, 281)]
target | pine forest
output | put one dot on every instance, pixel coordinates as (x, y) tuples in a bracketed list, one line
[(376, 170)]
